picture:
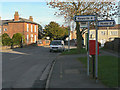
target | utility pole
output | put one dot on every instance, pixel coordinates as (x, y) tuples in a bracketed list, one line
[(96, 57), (69, 34)]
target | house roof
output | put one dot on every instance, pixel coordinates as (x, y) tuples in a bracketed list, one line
[(5, 22)]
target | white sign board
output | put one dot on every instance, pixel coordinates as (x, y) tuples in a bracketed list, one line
[(83, 24), (106, 23), (84, 18)]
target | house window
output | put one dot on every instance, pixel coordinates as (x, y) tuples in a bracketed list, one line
[(0, 30), (102, 32), (5, 29), (27, 27), (27, 38), (92, 32), (31, 38), (31, 28), (35, 28), (35, 38), (114, 33)]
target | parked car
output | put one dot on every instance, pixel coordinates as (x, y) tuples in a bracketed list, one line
[(57, 45)]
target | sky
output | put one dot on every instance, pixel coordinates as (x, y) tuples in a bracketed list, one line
[(39, 9)]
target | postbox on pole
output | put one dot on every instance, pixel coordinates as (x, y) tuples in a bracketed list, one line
[(92, 47)]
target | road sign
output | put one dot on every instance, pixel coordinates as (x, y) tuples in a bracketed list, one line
[(84, 18), (83, 24), (106, 23)]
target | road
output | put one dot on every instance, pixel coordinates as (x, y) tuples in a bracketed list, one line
[(24, 67)]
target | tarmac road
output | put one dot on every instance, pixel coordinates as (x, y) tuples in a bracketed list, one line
[(26, 67)]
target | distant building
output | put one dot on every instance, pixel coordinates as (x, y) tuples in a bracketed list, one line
[(104, 34), (26, 27)]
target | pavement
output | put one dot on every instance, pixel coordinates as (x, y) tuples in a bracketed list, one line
[(68, 72)]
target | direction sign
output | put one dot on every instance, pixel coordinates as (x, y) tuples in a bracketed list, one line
[(83, 24), (106, 23), (84, 18)]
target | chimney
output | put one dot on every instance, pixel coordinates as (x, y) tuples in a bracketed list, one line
[(31, 18), (16, 16)]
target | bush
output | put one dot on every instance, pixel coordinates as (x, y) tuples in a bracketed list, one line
[(17, 39), (6, 40)]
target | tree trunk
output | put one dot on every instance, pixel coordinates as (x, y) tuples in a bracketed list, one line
[(79, 37)]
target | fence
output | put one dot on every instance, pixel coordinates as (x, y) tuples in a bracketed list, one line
[(113, 45), (43, 42)]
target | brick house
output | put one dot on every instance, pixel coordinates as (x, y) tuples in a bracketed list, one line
[(26, 27)]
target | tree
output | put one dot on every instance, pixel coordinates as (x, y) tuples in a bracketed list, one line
[(40, 32), (6, 40), (18, 39), (54, 31), (79, 7)]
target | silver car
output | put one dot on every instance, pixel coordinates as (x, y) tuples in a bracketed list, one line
[(57, 45)]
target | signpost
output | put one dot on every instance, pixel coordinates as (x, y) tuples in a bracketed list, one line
[(106, 23), (85, 18), (92, 50), (83, 24), (98, 23)]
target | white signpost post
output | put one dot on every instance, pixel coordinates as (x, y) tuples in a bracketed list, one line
[(83, 19)]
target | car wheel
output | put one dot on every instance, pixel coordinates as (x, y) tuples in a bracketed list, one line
[(50, 50)]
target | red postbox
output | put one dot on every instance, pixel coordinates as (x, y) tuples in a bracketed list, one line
[(92, 47)]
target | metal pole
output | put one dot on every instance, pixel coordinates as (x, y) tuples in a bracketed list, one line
[(88, 51), (96, 76), (69, 35)]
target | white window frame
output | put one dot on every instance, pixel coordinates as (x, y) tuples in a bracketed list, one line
[(0, 30), (31, 28), (5, 29), (103, 33), (27, 27), (113, 33), (31, 38), (27, 38), (35, 38), (35, 28)]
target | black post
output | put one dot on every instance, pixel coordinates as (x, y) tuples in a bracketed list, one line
[(93, 60)]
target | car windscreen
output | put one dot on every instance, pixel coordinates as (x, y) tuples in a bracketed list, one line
[(55, 43)]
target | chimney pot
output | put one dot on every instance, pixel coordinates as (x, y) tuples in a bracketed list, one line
[(31, 18), (16, 16)]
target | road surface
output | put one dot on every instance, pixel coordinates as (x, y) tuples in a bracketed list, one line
[(24, 67)]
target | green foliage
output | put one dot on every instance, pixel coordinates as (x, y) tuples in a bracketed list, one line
[(17, 39), (78, 7), (107, 69), (40, 32), (6, 40), (54, 31), (74, 51)]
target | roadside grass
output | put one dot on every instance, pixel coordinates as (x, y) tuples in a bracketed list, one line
[(74, 51), (107, 69)]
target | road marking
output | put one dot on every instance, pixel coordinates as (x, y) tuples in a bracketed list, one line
[(15, 58)]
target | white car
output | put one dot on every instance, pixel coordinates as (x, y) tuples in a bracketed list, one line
[(57, 45)]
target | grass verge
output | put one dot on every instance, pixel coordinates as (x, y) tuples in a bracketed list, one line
[(74, 51), (107, 69)]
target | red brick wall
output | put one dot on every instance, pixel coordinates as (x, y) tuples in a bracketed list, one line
[(13, 28)]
